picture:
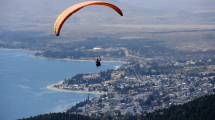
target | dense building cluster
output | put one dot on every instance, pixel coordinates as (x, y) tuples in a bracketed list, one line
[(146, 94)]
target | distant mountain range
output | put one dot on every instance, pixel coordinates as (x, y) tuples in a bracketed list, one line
[(43, 12), (174, 5)]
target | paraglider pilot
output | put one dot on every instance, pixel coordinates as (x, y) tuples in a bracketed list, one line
[(98, 62)]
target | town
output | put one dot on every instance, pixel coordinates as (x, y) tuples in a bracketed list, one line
[(136, 94)]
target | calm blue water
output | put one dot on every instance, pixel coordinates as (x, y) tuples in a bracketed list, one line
[(23, 82)]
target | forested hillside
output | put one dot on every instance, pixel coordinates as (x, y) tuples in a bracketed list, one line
[(61, 116), (200, 109)]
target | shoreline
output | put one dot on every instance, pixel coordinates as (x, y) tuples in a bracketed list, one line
[(51, 87), (64, 90), (58, 58), (74, 59), (20, 50)]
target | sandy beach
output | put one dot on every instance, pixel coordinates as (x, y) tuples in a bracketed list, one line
[(116, 67), (64, 90), (74, 59), (20, 49)]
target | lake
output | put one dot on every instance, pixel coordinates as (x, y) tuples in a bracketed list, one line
[(24, 79)]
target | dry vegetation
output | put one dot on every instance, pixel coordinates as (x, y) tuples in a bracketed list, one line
[(176, 36), (100, 21)]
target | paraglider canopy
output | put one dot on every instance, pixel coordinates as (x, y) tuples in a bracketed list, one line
[(71, 10)]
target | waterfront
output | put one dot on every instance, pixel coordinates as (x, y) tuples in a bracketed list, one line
[(24, 80)]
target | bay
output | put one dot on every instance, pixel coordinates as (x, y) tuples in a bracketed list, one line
[(24, 79)]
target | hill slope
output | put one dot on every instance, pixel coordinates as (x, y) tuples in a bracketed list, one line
[(202, 108)]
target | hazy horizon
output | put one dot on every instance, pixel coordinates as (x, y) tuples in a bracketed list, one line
[(40, 15)]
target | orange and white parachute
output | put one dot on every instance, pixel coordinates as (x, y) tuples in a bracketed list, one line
[(71, 10)]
